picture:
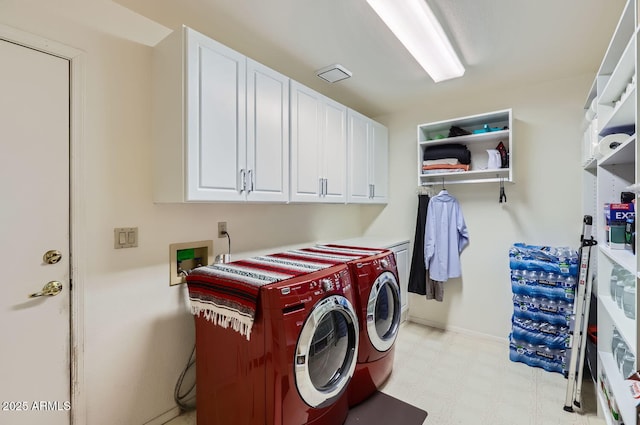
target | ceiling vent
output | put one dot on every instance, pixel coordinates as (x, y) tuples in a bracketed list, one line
[(333, 73)]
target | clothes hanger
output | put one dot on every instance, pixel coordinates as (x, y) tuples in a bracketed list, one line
[(425, 190), (503, 195), (444, 189)]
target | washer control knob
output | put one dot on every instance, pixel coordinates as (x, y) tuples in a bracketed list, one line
[(384, 263), (327, 284)]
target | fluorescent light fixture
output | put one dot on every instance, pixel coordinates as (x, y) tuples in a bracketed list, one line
[(417, 28)]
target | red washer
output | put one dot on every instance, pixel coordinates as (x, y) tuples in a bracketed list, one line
[(375, 276), (297, 364)]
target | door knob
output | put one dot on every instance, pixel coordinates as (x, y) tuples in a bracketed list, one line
[(52, 256), (51, 289)]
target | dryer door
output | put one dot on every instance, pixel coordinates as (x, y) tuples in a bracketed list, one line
[(383, 311), (326, 352)]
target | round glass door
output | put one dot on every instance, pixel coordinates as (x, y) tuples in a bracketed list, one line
[(383, 311), (326, 353)]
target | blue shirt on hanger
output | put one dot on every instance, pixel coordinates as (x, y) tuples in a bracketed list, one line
[(446, 235)]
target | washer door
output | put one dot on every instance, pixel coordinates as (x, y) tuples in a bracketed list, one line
[(326, 352), (383, 311)]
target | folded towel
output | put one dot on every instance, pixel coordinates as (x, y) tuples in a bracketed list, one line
[(450, 161), (450, 167)]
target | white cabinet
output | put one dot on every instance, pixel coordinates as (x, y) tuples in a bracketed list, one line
[(220, 123), (613, 101), (318, 147), (368, 159), (401, 251), (486, 132)]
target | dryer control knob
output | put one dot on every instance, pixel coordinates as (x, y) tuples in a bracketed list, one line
[(384, 263), (327, 284)]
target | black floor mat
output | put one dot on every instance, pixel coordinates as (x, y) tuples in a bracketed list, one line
[(382, 409)]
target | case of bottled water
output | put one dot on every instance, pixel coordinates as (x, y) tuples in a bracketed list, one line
[(543, 283)]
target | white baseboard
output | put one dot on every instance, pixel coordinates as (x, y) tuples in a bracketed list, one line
[(456, 329)]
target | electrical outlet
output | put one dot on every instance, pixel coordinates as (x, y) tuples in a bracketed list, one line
[(222, 229)]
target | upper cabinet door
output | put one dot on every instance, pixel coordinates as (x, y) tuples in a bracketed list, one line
[(359, 178), (334, 155), (216, 120), (368, 160), (379, 159), (318, 147), (306, 183), (267, 170)]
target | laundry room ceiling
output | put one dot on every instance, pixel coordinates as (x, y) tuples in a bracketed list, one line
[(503, 44)]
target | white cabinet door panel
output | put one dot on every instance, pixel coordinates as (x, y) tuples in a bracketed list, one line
[(335, 151), (305, 143), (267, 133), (380, 160), (216, 120), (358, 158), (368, 143)]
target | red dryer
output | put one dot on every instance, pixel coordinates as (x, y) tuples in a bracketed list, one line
[(375, 276), (301, 353)]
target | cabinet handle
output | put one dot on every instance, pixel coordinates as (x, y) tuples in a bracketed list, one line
[(250, 178), (373, 191), (242, 180), (326, 184), (320, 186)]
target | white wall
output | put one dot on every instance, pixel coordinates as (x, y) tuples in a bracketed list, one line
[(138, 332), (544, 204)]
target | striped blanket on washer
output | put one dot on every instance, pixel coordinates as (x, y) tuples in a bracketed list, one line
[(227, 294)]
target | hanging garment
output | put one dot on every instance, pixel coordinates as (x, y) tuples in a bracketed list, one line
[(435, 290), (418, 273), (446, 235)]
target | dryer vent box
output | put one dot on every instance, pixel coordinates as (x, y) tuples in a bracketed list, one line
[(334, 73), (184, 257)]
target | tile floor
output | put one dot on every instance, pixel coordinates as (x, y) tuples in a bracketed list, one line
[(468, 380)]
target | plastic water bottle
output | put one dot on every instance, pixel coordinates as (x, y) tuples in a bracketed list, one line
[(549, 310), (559, 290), (620, 283), (616, 272), (533, 308), (570, 288), (531, 277), (530, 355), (616, 338), (518, 282)]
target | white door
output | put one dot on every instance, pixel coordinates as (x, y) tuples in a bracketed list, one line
[(334, 138), (379, 162), (358, 142), (267, 134), (216, 127), (34, 219), (305, 144)]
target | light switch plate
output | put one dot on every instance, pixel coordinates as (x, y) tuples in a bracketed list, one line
[(125, 237)]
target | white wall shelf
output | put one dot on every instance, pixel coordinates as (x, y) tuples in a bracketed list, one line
[(478, 142), (616, 108)]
